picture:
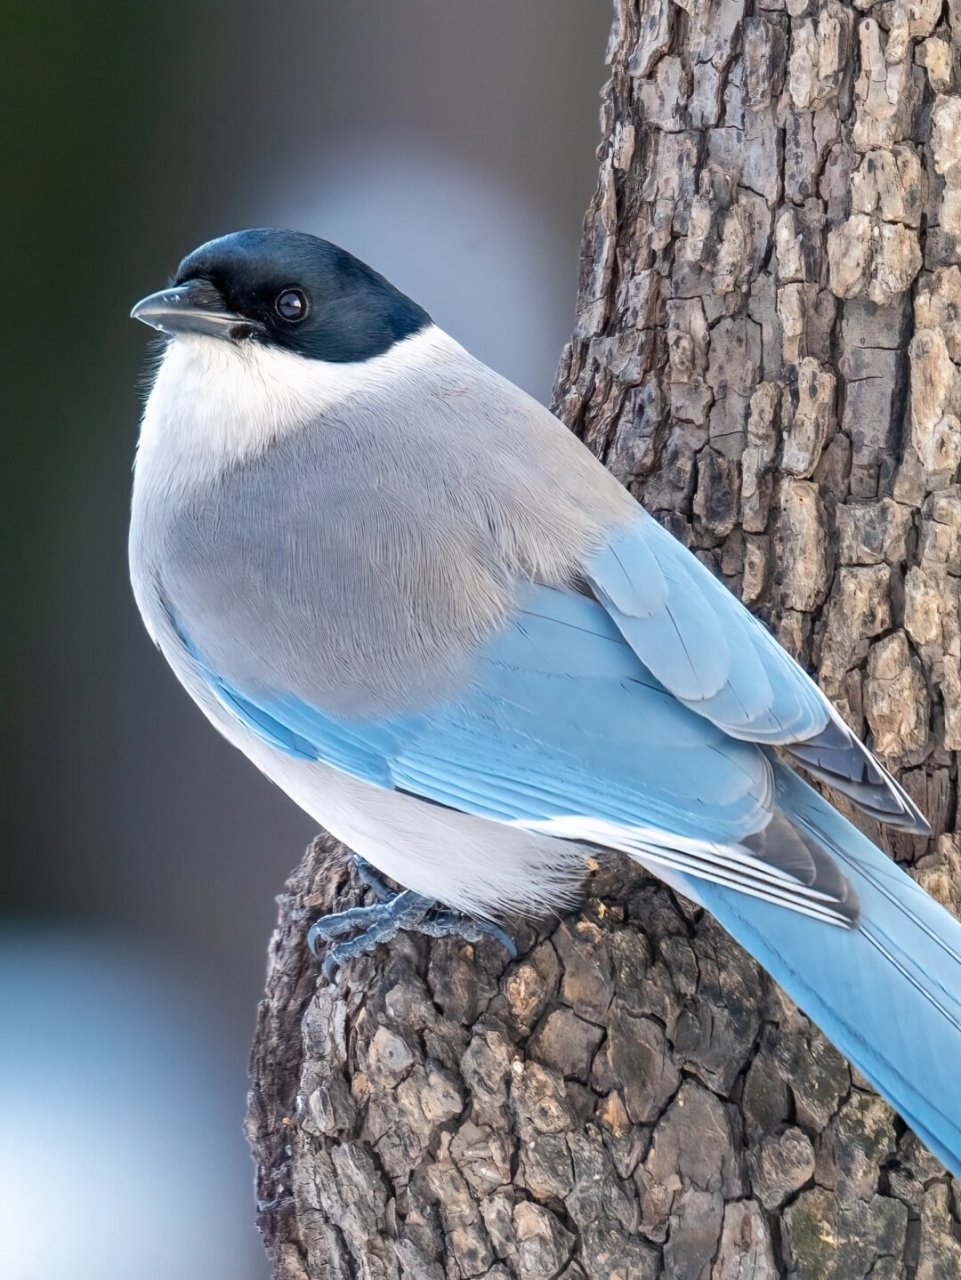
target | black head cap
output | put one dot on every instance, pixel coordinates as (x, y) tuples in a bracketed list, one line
[(304, 294)]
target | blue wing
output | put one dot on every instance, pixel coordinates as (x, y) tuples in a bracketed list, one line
[(717, 658), (563, 731)]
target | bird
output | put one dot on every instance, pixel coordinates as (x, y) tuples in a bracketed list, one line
[(420, 605)]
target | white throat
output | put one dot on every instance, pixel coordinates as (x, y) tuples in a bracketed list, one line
[(215, 403)]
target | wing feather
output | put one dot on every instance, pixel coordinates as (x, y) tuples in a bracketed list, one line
[(701, 643), (563, 731)]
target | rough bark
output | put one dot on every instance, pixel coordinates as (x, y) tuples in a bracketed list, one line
[(767, 351)]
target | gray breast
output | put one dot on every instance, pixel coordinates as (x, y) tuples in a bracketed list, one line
[(359, 562)]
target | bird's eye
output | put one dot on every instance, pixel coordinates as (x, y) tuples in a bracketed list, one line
[(291, 305)]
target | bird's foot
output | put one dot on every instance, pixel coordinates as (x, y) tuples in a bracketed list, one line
[(392, 913)]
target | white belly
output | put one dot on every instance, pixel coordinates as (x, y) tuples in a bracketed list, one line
[(475, 865)]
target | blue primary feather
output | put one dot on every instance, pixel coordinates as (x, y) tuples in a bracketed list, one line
[(700, 641), (887, 993)]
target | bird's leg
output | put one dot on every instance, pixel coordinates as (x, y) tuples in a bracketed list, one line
[(387, 917), (375, 880)]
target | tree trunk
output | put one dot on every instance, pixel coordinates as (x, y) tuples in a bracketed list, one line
[(766, 351)]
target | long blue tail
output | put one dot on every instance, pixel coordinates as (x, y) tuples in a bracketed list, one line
[(887, 992)]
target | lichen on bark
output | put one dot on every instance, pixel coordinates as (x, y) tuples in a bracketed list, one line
[(768, 352)]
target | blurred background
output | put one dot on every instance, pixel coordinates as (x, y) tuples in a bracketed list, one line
[(452, 146)]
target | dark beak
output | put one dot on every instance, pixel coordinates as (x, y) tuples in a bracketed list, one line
[(194, 307)]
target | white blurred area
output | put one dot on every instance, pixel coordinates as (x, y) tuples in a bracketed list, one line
[(120, 1151)]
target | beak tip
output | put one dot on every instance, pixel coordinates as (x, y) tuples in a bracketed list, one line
[(146, 314)]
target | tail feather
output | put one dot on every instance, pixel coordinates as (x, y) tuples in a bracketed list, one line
[(886, 992), (788, 845)]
